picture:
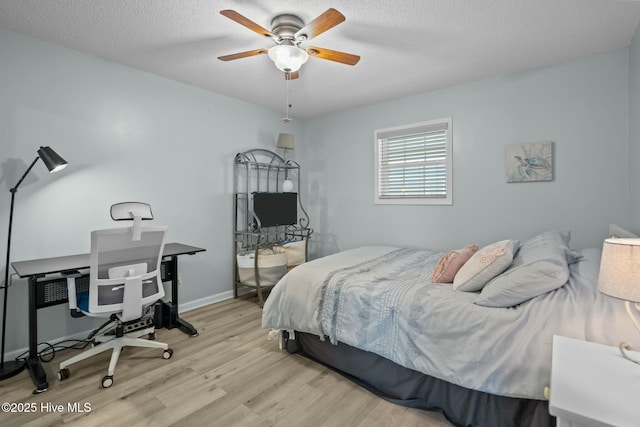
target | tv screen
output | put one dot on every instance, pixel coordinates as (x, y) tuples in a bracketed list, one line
[(276, 208)]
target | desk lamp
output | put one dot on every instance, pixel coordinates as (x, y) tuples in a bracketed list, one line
[(620, 278), (54, 163)]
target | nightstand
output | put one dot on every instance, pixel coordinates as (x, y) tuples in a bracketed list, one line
[(593, 385)]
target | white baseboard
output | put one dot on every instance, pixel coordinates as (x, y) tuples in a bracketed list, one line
[(182, 308), (203, 302)]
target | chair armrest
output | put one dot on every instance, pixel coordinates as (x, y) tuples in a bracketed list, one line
[(71, 276)]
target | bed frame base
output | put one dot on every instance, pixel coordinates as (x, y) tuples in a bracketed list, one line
[(461, 406)]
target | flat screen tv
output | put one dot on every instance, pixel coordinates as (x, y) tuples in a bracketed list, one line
[(275, 208)]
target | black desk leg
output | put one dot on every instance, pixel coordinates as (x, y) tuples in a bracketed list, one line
[(38, 375), (174, 317)]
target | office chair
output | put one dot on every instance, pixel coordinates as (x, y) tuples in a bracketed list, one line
[(124, 282)]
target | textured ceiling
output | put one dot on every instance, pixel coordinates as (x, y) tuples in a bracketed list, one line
[(407, 47)]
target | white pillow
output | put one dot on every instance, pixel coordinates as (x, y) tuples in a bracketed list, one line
[(540, 266), (484, 265), (522, 283)]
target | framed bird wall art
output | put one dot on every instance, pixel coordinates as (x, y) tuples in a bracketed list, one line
[(531, 162)]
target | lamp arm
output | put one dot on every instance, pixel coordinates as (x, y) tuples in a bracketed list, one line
[(13, 198), (6, 266), (624, 346), (24, 175), (627, 305)]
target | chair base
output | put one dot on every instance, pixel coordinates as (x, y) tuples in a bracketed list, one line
[(111, 342)]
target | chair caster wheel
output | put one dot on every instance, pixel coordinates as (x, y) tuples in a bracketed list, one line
[(167, 354), (63, 374), (152, 336), (107, 381)]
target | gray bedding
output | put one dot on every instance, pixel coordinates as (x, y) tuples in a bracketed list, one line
[(381, 300)]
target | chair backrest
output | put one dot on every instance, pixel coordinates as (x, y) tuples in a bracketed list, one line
[(125, 269)]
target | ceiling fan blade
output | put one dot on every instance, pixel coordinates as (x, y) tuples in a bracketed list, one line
[(333, 55), (243, 54), (243, 20), (292, 76), (322, 23)]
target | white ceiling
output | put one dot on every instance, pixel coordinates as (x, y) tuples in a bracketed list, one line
[(407, 47)]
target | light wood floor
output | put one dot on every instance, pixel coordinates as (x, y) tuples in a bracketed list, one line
[(230, 375)]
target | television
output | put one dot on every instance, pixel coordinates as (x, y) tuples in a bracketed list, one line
[(275, 208)]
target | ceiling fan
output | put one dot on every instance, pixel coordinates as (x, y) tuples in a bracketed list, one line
[(288, 32)]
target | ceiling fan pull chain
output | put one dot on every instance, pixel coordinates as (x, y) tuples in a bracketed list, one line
[(287, 119)]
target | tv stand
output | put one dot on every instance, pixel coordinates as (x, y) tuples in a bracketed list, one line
[(263, 171)]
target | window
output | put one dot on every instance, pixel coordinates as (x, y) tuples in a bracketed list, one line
[(413, 164)]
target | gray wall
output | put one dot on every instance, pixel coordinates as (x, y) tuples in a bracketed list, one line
[(581, 105), (127, 135)]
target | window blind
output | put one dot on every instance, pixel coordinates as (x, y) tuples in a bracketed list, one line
[(414, 163)]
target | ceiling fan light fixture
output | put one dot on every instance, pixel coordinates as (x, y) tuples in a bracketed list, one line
[(288, 58)]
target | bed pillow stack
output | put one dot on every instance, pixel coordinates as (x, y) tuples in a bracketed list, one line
[(540, 265), (484, 265)]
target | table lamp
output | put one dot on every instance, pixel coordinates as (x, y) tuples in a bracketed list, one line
[(286, 142), (54, 163), (620, 278)]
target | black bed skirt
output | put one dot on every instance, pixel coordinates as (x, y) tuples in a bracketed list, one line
[(461, 406)]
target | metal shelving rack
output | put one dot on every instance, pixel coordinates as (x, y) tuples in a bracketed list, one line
[(261, 170)]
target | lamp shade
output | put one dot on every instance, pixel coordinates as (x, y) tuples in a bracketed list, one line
[(288, 58), (620, 269), (51, 159), (286, 140)]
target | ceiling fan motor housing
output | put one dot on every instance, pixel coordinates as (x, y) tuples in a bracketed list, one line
[(286, 26), (288, 56)]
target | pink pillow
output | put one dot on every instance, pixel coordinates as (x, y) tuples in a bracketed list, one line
[(450, 263)]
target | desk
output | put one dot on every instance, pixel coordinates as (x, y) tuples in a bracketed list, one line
[(44, 293)]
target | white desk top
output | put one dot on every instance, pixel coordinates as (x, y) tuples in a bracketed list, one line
[(592, 384)]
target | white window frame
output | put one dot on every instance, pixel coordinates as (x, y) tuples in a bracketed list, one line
[(440, 124)]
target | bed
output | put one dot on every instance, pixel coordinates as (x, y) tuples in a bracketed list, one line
[(477, 349)]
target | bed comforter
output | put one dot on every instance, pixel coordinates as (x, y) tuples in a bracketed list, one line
[(381, 299)]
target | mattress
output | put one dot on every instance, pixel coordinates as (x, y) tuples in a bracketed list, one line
[(381, 300)]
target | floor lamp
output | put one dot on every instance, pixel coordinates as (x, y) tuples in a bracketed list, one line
[(54, 163)]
